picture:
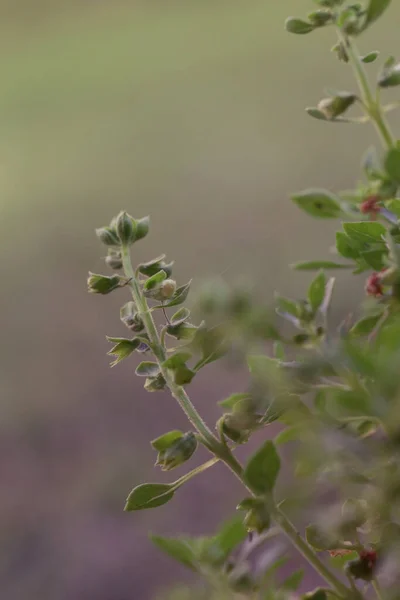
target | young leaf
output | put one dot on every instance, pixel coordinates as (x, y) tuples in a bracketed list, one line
[(293, 581), (262, 469), (147, 369), (231, 535), (163, 442), (233, 399), (370, 57), (180, 316), (154, 266), (320, 540), (183, 375), (178, 548), (365, 232), (392, 164), (346, 247), (154, 280), (149, 495), (316, 291), (122, 349), (177, 360), (375, 9), (298, 26), (318, 203), (314, 112), (316, 265)]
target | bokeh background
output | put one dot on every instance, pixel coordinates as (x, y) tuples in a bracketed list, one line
[(190, 111)]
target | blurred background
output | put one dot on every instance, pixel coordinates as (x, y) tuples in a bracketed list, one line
[(191, 111)]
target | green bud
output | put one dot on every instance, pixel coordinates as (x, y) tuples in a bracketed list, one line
[(131, 318), (142, 228), (298, 26), (154, 266), (155, 384), (108, 236), (231, 427), (319, 18), (390, 77), (335, 106), (178, 452), (100, 284), (126, 228), (257, 517), (341, 52), (114, 260), (360, 569), (168, 289), (330, 3), (182, 331)]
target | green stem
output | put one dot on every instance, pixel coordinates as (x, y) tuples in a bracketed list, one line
[(177, 391), (377, 588), (372, 106)]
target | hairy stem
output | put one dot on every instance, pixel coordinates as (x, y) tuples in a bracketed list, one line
[(371, 105), (177, 391)]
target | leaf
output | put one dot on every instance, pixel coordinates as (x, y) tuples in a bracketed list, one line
[(365, 231), (375, 9), (293, 581), (316, 291), (233, 399), (290, 434), (315, 265), (183, 375), (318, 203), (262, 469), (147, 369), (375, 258), (370, 57), (316, 114), (231, 535), (122, 349), (178, 548), (392, 164), (154, 266), (345, 246), (365, 326), (177, 360), (163, 442), (179, 297), (298, 26), (149, 495), (285, 305), (154, 281), (180, 316)]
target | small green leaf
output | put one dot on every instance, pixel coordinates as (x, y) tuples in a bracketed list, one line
[(365, 326), (314, 112), (180, 316), (365, 231), (346, 247), (315, 265), (392, 164), (149, 495), (155, 384), (285, 305), (178, 548), (122, 349), (298, 26), (154, 281), (390, 76), (394, 206), (375, 9), (290, 434), (180, 295), (370, 57), (231, 535), (375, 258), (147, 369), (183, 375), (163, 442), (233, 399), (262, 469), (316, 291), (318, 203), (177, 360), (154, 266)]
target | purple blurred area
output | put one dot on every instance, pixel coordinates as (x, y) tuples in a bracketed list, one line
[(191, 112)]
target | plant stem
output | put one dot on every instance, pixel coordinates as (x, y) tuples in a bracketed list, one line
[(372, 106), (377, 588), (220, 450), (177, 391)]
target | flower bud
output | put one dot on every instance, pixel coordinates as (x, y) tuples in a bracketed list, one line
[(335, 106), (364, 566), (167, 289), (114, 260), (126, 228), (178, 452), (390, 76), (108, 236), (142, 227), (257, 517), (155, 384), (319, 18), (100, 284)]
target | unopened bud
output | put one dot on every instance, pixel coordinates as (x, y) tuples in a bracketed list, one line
[(390, 77), (335, 106), (126, 228), (257, 517), (114, 261), (178, 452), (167, 289), (155, 384), (319, 18), (108, 236), (100, 284), (364, 566), (142, 227)]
